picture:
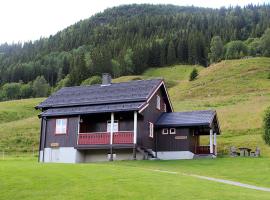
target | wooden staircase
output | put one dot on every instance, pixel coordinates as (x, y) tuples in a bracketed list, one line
[(147, 154)]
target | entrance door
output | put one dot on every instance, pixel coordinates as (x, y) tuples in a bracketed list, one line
[(115, 126), (55, 157)]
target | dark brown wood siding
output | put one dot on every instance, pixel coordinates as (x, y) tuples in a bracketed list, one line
[(150, 114), (64, 140), (176, 142)]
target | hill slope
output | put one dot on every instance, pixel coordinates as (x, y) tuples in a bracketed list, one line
[(238, 89), (129, 39)]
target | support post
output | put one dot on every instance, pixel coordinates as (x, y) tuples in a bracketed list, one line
[(111, 137), (78, 133), (211, 141), (135, 135), (215, 142)]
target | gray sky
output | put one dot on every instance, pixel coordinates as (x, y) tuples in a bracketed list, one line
[(23, 20)]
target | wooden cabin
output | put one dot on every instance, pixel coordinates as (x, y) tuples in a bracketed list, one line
[(121, 121)]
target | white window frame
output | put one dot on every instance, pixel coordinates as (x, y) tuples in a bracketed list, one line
[(165, 107), (172, 132), (151, 130), (61, 126), (115, 126), (158, 102), (165, 131)]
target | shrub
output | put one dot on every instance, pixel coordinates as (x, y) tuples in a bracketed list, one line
[(40, 87), (93, 80), (266, 126), (193, 74), (236, 49)]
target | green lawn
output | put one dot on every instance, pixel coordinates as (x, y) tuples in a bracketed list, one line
[(27, 179)]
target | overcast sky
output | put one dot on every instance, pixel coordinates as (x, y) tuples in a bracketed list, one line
[(23, 20)]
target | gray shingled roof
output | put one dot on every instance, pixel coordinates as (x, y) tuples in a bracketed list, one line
[(132, 91), (192, 118), (76, 110)]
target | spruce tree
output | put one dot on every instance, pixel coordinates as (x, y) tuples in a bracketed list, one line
[(171, 55)]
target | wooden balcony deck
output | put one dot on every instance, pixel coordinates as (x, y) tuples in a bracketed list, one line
[(103, 138)]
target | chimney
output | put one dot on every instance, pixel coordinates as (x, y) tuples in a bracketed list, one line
[(106, 79)]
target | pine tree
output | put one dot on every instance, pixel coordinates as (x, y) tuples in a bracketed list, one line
[(171, 55)]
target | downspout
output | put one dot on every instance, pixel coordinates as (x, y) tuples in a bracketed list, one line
[(156, 142), (44, 142), (40, 138)]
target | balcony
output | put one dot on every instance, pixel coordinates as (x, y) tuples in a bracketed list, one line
[(103, 138)]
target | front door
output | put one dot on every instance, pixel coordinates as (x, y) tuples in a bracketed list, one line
[(115, 126), (55, 155)]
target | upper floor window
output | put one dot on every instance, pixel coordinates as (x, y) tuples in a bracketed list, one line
[(158, 102), (172, 131), (151, 129), (61, 126), (165, 131), (165, 107), (115, 126)]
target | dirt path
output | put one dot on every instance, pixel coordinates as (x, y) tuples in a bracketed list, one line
[(217, 180)]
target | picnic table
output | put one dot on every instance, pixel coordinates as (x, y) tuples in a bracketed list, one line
[(244, 151)]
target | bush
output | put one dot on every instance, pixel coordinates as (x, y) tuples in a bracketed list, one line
[(40, 87), (92, 80), (236, 49), (266, 126), (193, 75)]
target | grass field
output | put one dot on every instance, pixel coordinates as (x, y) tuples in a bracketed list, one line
[(27, 179), (238, 89)]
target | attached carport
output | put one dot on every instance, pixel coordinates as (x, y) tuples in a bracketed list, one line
[(199, 122)]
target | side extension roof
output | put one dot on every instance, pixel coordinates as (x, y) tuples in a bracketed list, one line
[(187, 119)]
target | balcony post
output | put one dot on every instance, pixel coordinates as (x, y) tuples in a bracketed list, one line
[(111, 137), (215, 142), (78, 133), (135, 135), (211, 141)]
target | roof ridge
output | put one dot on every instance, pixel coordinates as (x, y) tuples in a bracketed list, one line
[(150, 79)]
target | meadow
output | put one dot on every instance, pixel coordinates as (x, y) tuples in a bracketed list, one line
[(27, 179)]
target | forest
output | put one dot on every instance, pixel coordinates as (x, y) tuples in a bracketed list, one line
[(129, 39)]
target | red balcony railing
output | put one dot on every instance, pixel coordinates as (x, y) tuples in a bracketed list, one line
[(123, 137), (95, 138)]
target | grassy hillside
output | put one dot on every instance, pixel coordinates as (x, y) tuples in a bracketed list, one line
[(19, 125), (238, 89)]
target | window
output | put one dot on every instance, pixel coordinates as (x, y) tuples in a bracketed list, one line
[(151, 129), (165, 108), (172, 130), (165, 131), (115, 126), (158, 102), (61, 126)]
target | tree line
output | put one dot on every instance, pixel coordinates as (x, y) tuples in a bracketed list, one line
[(129, 39)]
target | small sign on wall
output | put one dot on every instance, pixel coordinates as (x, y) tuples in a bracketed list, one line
[(54, 144), (180, 137)]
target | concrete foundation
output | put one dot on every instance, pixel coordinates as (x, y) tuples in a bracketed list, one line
[(71, 155), (61, 155), (174, 155)]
